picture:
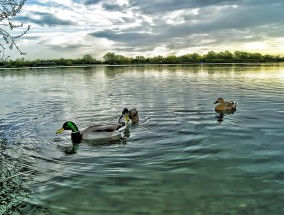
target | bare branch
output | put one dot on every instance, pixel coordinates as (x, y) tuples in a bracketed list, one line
[(8, 10)]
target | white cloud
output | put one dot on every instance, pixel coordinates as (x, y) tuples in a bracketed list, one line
[(68, 29)]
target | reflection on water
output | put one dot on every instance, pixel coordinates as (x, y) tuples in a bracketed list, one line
[(221, 114), (181, 158)]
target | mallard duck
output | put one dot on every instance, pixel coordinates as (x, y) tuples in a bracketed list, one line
[(225, 106), (94, 132), (131, 114)]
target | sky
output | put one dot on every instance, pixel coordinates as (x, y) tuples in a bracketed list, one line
[(73, 28)]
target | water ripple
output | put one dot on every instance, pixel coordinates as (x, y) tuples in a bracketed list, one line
[(181, 156)]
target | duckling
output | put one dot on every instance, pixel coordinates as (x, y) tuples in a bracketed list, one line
[(94, 132), (129, 115), (225, 106)]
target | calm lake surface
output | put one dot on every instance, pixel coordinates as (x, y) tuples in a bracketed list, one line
[(182, 157)]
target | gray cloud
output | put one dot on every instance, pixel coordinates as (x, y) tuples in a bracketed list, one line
[(91, 2), (158, 6), (46, 19), (229, 25), (113, 7), (32, 38), (140, 26), (66, 47), (123, 37)]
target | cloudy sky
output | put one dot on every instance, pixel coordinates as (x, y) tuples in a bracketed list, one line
[(72, 28)]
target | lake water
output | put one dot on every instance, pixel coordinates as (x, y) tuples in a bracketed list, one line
[(181, 158)]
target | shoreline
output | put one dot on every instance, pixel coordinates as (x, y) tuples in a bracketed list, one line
[(137, 65)]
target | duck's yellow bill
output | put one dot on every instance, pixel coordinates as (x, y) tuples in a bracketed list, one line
[(60, 131), (126, 117)]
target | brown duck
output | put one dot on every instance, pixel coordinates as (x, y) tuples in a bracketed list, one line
[(225, 106), (131, 114)]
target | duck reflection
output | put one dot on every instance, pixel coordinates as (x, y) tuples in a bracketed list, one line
[(222, 114), (74, 147), (69, 150)]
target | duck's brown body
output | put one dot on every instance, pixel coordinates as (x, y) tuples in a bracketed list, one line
[(133, 115), (225, 106)]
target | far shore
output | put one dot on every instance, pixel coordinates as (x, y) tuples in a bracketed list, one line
[(138, 65), (112, 59)]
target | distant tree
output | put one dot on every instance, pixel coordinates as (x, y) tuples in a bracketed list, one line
[(241, 55), (171, 59), (211, 55), (69, 62), (196, 56), (88, 59), (8, 10), (139, 59), (225, 55), (120, 59), (185, 58), (271, 58), (110, 58), (255, 56), (157, 59)]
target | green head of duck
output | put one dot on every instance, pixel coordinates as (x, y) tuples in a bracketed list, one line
[(68, 126)]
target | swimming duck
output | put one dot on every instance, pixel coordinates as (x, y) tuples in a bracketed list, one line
[(225, 106), (92, 132), (133, 115), (129, 115)]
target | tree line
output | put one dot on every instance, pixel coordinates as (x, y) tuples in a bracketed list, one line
[(116, 59)]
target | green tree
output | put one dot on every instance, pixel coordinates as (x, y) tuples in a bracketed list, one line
[(120, 59), (196, 57), (69, 62), (139, 59), (88, 59), (109, 58), (225, 55), (211, 55), (185, 58), (157, 59), (171, 59), (255, 56), (241, 55)]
